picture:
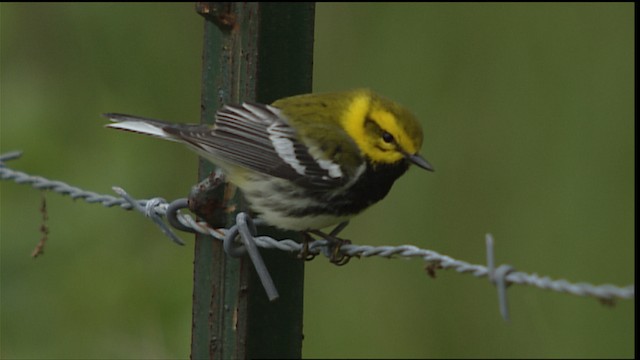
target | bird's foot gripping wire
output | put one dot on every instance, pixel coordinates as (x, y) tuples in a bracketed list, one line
[(335, 253), (305, 253)]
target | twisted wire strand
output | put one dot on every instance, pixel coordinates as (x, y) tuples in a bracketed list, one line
[(604, 292)]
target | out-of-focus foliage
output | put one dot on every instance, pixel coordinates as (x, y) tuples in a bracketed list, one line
[(528, 116)]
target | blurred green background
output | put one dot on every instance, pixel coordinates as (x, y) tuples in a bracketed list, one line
[(528, 112)]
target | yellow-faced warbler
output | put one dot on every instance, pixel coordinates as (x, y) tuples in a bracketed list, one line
[(304, 162)]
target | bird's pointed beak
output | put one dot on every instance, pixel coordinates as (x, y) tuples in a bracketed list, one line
[(418, 160)]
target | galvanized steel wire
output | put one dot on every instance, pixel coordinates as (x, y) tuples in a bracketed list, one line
[(158, 208)]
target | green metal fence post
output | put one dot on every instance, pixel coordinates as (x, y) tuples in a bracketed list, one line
[(252, 52)]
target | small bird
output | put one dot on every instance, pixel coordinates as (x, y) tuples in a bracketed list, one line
[(304, 162)]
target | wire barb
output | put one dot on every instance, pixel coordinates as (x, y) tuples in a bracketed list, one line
[(11, 155), (149, 210), (498, 277), (246, 227), (502, 276)]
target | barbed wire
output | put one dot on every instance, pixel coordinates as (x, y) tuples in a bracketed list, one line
[(157, 208)]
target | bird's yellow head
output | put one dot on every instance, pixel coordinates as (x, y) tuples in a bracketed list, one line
[(384, 131)]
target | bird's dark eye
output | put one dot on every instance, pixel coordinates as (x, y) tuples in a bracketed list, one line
[(388, 138)]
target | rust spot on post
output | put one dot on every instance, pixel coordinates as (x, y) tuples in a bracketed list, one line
[(219, 12)]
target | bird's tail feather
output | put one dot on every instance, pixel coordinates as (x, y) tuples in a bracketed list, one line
[(141, 125)]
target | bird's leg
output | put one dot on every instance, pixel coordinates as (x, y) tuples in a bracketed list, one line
[(335, 243), (304, 253)]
